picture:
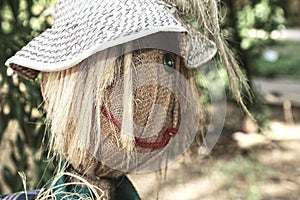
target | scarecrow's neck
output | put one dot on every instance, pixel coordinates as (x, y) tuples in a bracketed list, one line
[(110, 188), (107, 185)]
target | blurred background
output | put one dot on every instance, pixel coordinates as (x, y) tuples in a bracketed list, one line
[(252, 160)]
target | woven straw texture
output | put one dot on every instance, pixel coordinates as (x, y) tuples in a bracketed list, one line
[(84, 27)]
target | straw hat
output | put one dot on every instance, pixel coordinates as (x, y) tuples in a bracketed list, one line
[(85, 27)]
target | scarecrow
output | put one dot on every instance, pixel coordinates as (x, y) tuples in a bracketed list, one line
[(117, 80)]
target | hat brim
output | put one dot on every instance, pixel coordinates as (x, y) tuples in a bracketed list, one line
[(41, 60), (76, 36), (198, 50)]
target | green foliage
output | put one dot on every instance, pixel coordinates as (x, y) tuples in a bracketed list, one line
[(288, 63), (264, 16), (248, 24), (20, 99), (247, 169)]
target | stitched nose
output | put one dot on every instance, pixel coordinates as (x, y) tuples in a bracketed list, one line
[(153, 106)]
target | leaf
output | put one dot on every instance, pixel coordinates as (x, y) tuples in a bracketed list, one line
[(20, 145), (3, 124), (29, 6), (14, 159), (11, 179), (2, 4), (33, 132), (15, 6)]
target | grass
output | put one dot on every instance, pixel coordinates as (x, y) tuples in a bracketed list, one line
[(288, 63), (243, 177)]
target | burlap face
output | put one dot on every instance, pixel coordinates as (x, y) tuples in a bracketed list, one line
[(155, 110)]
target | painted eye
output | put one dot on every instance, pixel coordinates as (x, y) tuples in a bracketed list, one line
[(169, 62)]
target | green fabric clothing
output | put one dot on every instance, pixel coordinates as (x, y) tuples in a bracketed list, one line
[(124, 191), (28, 195)]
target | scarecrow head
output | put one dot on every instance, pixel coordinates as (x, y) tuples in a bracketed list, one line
[(117, 80)]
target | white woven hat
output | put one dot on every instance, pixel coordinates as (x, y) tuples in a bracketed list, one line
[(85, 27)]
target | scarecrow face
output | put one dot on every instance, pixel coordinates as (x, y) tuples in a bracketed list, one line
[(138, 98), (155, 109)]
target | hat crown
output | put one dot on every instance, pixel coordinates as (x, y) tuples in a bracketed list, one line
[(114, 12)]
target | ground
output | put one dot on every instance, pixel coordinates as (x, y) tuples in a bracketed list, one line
[(241, 166)]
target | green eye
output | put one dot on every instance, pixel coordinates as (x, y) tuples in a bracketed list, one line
[(169, 62)]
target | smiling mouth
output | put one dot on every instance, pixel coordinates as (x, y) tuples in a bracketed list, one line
[(141, 142)]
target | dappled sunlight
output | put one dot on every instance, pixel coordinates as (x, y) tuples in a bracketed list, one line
[(282, 131), (184, 180), (242, 166)]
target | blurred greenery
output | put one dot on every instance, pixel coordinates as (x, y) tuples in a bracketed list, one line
[(247, 169), (264, 15), (20, 99), (248, 25), (291, 9), (287, 64)]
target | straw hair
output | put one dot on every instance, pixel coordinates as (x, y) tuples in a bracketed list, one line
[(207, 15), (70, 100), (127, 129), (53, 190)]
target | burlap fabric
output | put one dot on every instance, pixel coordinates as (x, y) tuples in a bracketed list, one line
[(144, 115)]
